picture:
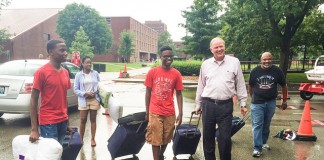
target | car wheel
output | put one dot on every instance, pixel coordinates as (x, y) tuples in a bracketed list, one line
[(306, 95), (1, 114)]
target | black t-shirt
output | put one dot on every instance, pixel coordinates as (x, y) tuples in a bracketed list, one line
[(264, 83)]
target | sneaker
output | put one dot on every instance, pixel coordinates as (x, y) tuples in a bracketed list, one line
[(266, 146), (256, 153)]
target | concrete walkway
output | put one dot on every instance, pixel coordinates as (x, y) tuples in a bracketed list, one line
[(114, 76)]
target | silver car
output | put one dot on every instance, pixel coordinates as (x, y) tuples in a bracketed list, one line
[(16, 82)]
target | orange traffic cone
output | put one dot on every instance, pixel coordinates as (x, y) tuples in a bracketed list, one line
[(125, 68), (305, 131), (120, 74)]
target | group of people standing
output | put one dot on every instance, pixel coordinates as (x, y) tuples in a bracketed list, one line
[(220, 79)]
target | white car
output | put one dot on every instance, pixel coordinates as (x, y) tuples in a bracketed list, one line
[(16, 81)]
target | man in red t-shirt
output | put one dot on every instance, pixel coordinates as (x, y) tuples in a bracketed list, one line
[(51, 82), (161, 82)]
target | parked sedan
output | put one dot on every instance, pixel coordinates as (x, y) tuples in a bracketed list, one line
[(16, 82)]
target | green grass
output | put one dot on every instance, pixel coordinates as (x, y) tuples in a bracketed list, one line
[(291, 78), (116, 67)]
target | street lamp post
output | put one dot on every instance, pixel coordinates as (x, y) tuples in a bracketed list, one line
[(304, 61)]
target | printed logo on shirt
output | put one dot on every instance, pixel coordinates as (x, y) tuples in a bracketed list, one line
[(162, 87), (265, 81)]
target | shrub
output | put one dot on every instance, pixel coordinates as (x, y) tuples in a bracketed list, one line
[(186, 68)]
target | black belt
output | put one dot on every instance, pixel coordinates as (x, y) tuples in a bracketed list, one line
[(218, 101)]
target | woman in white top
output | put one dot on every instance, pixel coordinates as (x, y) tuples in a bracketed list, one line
[(86, 87)]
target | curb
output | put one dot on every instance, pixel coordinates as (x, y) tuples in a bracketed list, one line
[(292, 87)]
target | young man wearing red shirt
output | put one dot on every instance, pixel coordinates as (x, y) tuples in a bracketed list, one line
[(161, 82), (51, 82)]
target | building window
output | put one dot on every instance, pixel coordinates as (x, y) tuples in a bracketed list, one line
[(108, 20), (46, 37)]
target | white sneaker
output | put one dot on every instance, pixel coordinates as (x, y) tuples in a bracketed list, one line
[(266, 146), (256, 153)]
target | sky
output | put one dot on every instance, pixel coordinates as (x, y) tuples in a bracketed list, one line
[(168, 11)]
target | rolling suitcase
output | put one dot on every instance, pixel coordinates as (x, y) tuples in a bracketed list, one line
[(71, 145), (186, 138), (237, 124), (129, 136)]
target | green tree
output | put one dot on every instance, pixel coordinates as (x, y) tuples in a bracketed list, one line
[(75, 15), (4, 3), (310, 36), (202, 24), (82, 44), (254, 26), (127, 46), (4, 35), (166, 40)]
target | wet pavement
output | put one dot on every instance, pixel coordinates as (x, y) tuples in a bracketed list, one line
[(131, 96)]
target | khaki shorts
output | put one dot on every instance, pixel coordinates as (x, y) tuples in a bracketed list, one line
[(91, 104), (160, 129)]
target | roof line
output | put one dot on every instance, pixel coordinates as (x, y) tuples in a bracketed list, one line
[(37, 23)]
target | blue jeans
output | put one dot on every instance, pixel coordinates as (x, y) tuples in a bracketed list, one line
[(56, 131), (261, 115)]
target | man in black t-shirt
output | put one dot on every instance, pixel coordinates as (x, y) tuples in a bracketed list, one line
[(263, 83)]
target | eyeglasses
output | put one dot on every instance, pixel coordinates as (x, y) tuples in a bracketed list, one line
[(168, 56)]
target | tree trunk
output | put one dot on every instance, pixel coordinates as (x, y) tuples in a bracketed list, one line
[(284, 57)]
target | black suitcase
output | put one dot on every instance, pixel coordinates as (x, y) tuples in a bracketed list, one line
[(186, 138), (71, 145), (237, 124), (129, 136)]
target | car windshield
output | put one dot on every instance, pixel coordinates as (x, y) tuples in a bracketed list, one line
[(19, 68)]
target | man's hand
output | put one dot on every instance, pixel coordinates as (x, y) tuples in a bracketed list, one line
[(283, 105), (243, 110), (34, 136), (197, 111), (179, 120), (68, 131)]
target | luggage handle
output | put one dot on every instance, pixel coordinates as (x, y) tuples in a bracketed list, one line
[(192, 113), (246, 116), (140, 126)]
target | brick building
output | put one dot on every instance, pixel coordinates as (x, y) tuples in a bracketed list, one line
[(30, 31), (146, 40), (158, 26)]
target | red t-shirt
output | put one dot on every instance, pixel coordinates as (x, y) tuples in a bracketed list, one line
[(53, 86), (163, 84)]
